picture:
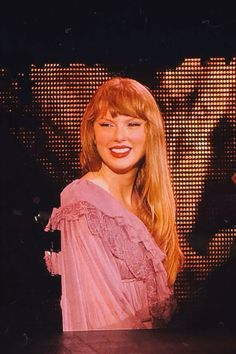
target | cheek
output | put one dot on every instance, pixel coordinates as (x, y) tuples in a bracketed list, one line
[(97, 136), (140, 138), (141, 142), (102, 137)]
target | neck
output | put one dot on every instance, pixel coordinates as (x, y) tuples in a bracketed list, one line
[(119, 185)]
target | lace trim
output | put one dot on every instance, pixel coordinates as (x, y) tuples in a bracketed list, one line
[(146, 260)]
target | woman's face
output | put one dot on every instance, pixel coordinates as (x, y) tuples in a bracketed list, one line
[(120, 141)]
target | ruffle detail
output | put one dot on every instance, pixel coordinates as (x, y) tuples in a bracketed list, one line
[(136, 254)]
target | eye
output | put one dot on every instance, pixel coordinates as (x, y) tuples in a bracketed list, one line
[(134, 124), (106, 124)]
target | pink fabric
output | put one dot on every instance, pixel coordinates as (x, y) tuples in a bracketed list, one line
[(111, 268)]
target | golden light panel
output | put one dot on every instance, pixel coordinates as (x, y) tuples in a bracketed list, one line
[(198, 106)]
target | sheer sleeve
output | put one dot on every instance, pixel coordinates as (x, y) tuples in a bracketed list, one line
[(91, 295)]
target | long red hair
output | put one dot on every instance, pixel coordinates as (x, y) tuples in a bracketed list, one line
[(153, 183)]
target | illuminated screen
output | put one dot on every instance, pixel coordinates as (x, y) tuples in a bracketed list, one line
[(45, 105)]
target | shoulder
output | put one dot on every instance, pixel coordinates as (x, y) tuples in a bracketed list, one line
[(72, 192), (95, 179), (83, 189)]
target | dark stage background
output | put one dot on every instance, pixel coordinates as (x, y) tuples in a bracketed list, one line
[(46, 79)]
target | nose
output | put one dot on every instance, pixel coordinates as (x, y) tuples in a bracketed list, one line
[(120, 133)]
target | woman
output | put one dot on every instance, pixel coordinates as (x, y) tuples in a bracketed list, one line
[(119, 247)]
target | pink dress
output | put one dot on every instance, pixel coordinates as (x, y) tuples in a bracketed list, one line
[(111, 269)]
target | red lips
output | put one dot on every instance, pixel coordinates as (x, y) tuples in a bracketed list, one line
[(120, 151)]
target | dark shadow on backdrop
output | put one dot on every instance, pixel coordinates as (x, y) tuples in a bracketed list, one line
[(217, 209), (216, 306)]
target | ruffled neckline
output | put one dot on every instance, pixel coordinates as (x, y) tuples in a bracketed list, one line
[(113, 207)]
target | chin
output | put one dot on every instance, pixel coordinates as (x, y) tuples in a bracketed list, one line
[(123, 169)]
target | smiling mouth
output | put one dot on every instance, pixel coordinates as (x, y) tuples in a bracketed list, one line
[(120, 152)]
